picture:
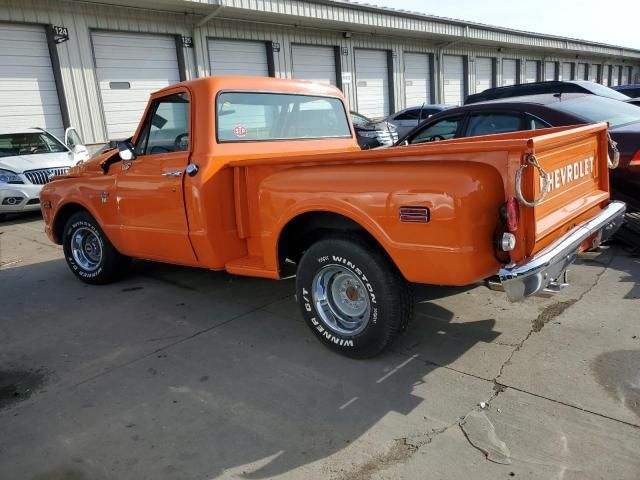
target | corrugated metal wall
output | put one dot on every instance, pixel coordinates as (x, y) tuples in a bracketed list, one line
[(78, 66)]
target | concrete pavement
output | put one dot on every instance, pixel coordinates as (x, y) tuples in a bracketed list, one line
[(180, 373)]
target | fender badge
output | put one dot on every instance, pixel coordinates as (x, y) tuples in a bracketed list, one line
[(126, 165), (104, 196), (46, 204)]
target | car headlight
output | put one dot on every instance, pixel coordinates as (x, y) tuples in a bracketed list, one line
[(368, 133), (7, 176)]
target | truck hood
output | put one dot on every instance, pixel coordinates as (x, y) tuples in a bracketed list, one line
[(23, 163)]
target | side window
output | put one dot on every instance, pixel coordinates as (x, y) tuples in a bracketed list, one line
[(168, 128), (534, 123), (408, 115), (442, 130), (492, 123)]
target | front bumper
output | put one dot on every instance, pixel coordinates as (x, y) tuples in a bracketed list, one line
[(547, 266), (19, 197)]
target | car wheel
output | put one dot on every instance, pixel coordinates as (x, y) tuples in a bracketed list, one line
[(352, 296), (89, 253)]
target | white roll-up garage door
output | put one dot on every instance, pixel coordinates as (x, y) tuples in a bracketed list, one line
[(238, 57), (606, 79), (509, 72), (372, 83), (566, 71), (453, 75), (594, 68), (130, 66), (484, 73), (615, 75), (531, 71), (550, 70), (314, 63), (582, 71), (417, 77), (28, 95)]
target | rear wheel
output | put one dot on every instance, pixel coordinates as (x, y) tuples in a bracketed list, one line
[(352, 296), (89, 253)]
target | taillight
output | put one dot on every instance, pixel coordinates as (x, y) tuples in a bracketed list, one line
[(509, 213), (635, 161)]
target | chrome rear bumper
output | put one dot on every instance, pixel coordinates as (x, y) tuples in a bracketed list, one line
[(546, 267)]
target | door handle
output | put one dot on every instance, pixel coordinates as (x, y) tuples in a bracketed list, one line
[(172, 174)]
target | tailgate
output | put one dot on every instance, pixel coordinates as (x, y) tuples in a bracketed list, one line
[(576, 162)]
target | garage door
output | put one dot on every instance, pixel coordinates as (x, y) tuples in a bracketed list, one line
[(566, 71), (615, 75), (550, 70), (372, 83), (606, 80), (238, 57), (484, 73), (453, 74), (509, 72), (28, 96), (314, 63), (593, 72), (531, 71), (417, 77), (130, 66), (582, 71)]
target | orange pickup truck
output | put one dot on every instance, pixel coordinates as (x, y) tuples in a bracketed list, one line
[(264, 177)]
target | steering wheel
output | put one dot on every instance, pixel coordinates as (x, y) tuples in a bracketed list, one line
[(180, 144), (435, 138)]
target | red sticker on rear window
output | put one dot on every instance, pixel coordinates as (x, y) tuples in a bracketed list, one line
[(240, 131)]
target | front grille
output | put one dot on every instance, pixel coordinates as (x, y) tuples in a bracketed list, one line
[(385, 137), (42, 176)]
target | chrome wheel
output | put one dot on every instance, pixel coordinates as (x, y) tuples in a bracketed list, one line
[(341, 300), (86, 249)]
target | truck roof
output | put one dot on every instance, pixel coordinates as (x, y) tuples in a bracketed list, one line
[(259, 84)]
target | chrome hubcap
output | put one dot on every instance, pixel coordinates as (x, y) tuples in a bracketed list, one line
[(86, 249), (341, 300)]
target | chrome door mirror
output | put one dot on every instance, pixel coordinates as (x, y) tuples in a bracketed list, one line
[(126, 151)]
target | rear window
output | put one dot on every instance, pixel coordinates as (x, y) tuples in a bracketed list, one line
[(600, 109), (247, 116)]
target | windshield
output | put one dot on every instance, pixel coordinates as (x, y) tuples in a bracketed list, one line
[(603, 91), (13, 144), (600, 109), (358, 119)]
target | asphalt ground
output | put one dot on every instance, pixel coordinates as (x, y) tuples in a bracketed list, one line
[(178, 373)]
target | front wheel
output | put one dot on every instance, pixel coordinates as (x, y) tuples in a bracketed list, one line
[(89, 253), (352, 296)]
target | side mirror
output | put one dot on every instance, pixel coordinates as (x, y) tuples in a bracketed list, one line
[(126, 151)]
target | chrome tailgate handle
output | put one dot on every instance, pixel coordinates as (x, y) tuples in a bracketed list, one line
[(172, 174)]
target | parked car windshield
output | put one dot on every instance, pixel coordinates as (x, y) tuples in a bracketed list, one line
[(603, 91), (243, 117), (359, 120), (12, 144), (600, 109)]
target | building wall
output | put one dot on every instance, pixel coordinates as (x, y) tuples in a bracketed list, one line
[(78, 68)]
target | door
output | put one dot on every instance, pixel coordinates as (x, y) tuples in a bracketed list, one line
[(582, 71), (615, 75), (372, 83), (149, 188), (484, 74), (453, 74), (566, 71), (238, 57), (509, 72), (549, 71), (129, 67), (594, 69), (315, 63), (28, 95), (417, 79), (531, 71)]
